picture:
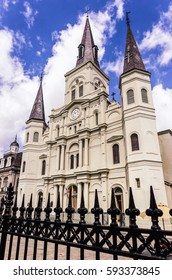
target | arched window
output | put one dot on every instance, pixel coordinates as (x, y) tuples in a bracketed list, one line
[(72, 162), (130, 96), (81, 90), (24, 166), (27, 137), (40, 199), (58, 130), (134, 142), (77, 160), (35, 137), (5, 185), (116, 158), (96, 118), (144, 95), (118, 198), (73, 94), (73, 190), (43, 167)]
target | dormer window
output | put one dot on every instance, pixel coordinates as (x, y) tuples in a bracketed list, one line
[(95, 52), (81, 89), (81, 51)]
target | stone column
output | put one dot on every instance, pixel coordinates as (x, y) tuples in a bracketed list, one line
[(87, 117), (86, 152), (61, 190), (62, 157), (102, 105), (104, 191), (79, 188), (80, 153), (55, 196), (58, 158), (86, 194)]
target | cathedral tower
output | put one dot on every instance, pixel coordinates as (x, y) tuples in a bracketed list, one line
[(143, 160)]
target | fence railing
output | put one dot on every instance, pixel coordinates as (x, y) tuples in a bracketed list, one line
[(24, 235)]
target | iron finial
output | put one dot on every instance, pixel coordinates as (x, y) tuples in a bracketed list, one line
[(127, 18), (87, 10)]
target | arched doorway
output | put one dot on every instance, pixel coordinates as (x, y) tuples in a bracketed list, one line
[(73, 189), (118, 193), (40, 198)]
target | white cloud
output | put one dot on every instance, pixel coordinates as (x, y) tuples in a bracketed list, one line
[(160, 36), (29, 14), (162, 98), (17, 91), (115, 67)]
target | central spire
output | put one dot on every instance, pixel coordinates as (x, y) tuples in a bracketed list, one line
[(87, 50)]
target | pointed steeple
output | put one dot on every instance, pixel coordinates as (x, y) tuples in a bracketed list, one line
[(37, 112), (87, 50), (132, 59)]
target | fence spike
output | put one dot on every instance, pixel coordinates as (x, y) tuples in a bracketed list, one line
[(29, 209), (153, 204), (38, 209), (153, 211), (96, 200), (15, 208), (1, 207), (48, 209), (23, 201), (70, 199), (96, 210), (113, 210), (8, 201), (58, 209), (82, 210), (132, 211), (22, 208), (69, 210), (131, 200)]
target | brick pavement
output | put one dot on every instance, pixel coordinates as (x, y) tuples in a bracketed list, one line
[(75, 252)]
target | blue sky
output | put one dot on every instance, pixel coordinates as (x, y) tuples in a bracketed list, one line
[(43, 35)]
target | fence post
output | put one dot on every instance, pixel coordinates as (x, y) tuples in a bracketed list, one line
[(8, 201)]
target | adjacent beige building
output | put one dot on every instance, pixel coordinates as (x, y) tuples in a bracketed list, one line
[(92, 143), (10, 165), (165, 141)]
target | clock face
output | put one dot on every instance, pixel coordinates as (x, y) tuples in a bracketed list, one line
[(75, 113)]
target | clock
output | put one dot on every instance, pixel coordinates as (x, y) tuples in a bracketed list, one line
[(75, 113)]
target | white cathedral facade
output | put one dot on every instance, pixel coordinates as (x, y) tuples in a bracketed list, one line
[(92, 143)]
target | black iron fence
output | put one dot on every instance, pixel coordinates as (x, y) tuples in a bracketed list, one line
[(25, 235)]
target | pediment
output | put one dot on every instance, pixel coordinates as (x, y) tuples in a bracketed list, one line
[(73, 103), (115, 138)]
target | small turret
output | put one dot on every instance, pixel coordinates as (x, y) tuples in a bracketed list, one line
[(14, 146)]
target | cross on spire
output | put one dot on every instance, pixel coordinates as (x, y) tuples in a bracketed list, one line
[(127, 18), (87, 10)]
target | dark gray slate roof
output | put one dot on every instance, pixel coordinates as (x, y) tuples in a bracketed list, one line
[(37, 112), (132, 59), (88, 43)]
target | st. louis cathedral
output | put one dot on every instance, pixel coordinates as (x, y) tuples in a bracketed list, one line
[(92, 143)]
